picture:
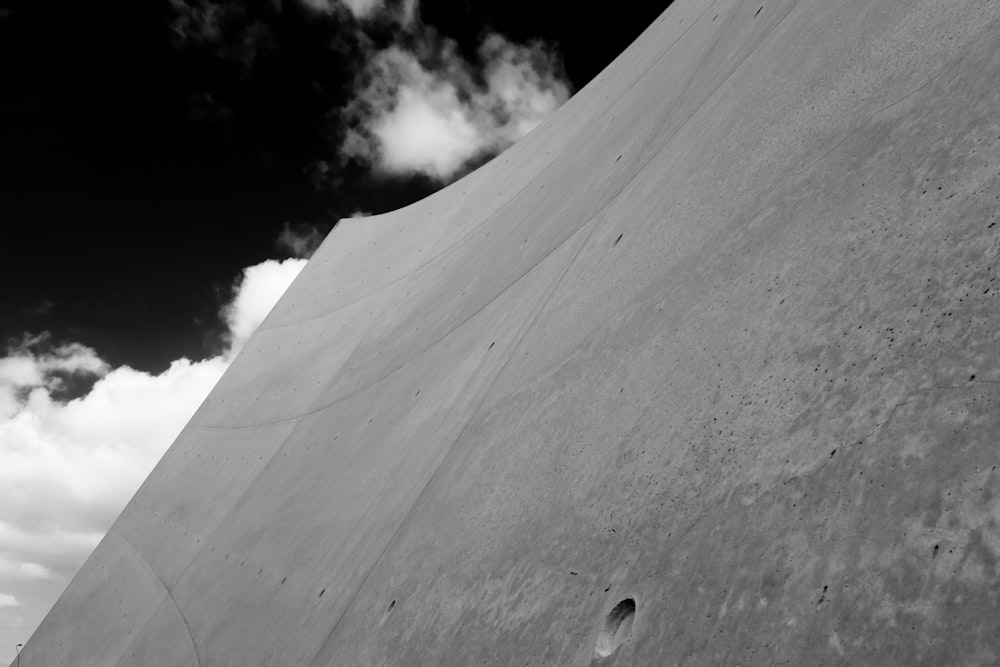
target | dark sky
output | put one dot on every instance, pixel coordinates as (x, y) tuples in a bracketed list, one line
[(139, 175)]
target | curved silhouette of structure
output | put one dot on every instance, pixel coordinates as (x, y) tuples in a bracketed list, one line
[(702, 371)]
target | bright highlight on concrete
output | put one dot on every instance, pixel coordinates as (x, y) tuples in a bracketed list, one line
[(617, 628), (703, 371)]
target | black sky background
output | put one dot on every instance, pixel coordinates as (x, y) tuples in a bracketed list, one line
[(138, 176)]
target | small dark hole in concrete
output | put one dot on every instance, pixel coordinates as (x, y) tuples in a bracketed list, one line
[(618, 158), (618, 239), (491, 345), (321, 593), (758, 12), (284, 579), (391, 605), (617, 628)]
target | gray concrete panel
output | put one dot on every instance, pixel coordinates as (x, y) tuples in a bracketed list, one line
[(702, 371)]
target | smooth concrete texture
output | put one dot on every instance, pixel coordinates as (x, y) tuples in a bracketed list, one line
[(704, 371)]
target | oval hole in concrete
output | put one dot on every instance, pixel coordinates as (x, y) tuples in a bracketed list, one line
[(617, 628)]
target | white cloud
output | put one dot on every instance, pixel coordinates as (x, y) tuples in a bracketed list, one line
[(23, 368), (260, 287), (68, 467), (431, 111), (8, 601)]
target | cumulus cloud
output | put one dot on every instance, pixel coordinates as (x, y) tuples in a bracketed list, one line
[(26, 368), (8, 601), (21, 367), (68, 467), (431, 111)]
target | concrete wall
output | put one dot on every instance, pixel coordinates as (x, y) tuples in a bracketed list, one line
[(721, 341)]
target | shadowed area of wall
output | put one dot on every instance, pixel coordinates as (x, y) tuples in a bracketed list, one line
[(703, 371)]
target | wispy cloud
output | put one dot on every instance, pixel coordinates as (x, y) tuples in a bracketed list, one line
[(403, 12), (68, 467), (301, 240), (222, 26), (429, 110), (7, 600), (42, 307), (11, 569)]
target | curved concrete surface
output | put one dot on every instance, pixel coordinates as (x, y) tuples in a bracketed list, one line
[(704, 371)]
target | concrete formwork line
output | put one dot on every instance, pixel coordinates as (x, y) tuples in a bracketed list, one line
[(396, 369), (289, 437), (168, 596), (473, 413), (592, 222)]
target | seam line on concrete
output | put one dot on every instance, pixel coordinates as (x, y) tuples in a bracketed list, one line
[(591, 219), (416, 356), (292, 431), (543, 302), (502, 208), (169, 596)]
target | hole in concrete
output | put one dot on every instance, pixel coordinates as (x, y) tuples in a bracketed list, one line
[(617, 628), (321, 593), (391, 605)]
